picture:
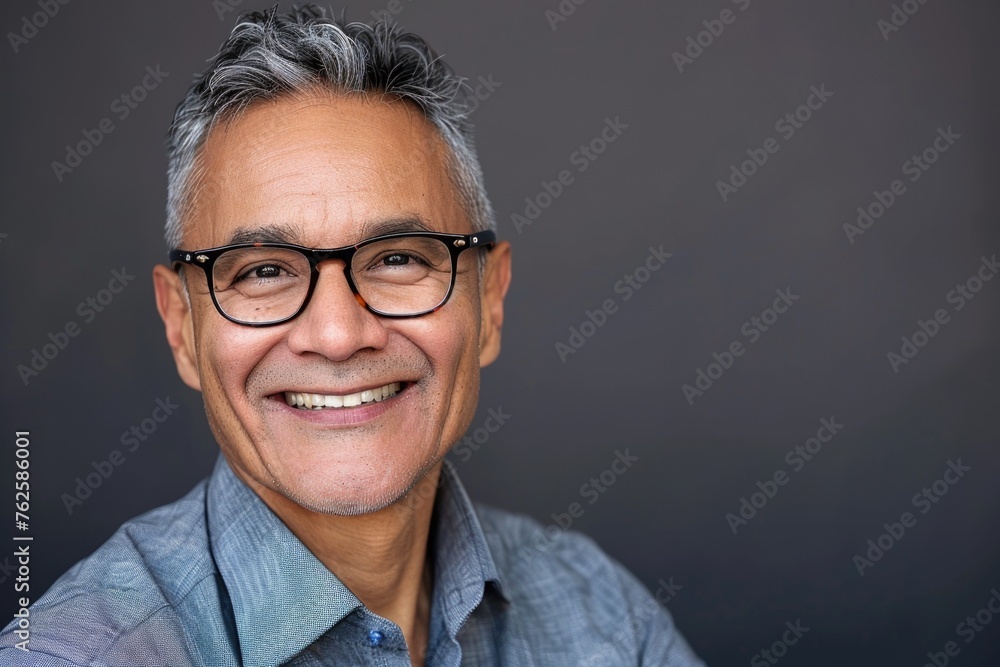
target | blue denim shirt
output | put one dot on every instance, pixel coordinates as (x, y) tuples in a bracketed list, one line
[(216, 579)]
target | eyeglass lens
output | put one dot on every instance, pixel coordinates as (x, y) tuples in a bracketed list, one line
[(399, 276)]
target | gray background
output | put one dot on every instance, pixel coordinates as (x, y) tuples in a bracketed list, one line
[(656, 184)]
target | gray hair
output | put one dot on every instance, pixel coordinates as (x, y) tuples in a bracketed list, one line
[(271, 55)]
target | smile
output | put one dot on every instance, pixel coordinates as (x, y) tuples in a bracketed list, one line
[(320, 401)]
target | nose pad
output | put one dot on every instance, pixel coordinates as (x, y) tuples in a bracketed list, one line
[(361, 301)]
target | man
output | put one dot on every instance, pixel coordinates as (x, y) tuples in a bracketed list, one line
[(331, 531)]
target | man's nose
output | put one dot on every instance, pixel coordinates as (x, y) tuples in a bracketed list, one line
[(335, 323)]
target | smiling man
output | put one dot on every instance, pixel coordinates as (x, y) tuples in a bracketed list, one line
[(336, 285)]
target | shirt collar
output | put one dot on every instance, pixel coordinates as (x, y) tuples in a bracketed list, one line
[(463, 562), (284, 598)]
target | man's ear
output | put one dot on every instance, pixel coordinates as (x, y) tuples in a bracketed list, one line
[(172, 303), (496, 280)]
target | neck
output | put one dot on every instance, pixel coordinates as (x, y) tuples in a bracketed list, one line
[(381, 557)]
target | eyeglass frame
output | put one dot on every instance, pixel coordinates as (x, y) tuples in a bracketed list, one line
[(456, 244)]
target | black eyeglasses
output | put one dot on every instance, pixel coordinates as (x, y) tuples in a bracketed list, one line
[(396, 275)]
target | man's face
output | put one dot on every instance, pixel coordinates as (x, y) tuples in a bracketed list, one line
[(327, 171)]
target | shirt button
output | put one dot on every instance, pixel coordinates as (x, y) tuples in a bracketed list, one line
[(375, 637)]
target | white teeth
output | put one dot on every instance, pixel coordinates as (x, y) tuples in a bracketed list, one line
[(320, 401)]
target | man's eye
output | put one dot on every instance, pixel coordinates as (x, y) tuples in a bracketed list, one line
[(267, 271), (261, 272), (397, 259)]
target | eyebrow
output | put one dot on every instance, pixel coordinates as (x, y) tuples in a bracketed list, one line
[(287, 234), (263, 234), (393, 226)]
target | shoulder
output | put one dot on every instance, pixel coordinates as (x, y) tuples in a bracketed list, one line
[(524, 545), (120, 603), (563, 584), (533, 556)]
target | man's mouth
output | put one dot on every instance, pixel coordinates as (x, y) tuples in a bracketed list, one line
[(306, 401)]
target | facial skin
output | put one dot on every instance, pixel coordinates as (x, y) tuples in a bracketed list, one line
[(328, 171)]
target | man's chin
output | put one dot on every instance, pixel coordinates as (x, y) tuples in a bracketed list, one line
[(344, 506), (351, 495)]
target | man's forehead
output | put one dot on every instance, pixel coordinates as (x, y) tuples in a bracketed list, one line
[(365, 165), (296, 135)]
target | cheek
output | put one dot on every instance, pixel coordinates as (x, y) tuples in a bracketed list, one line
[(442, 340), (451, 336), (451, 340), (227, 354)]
